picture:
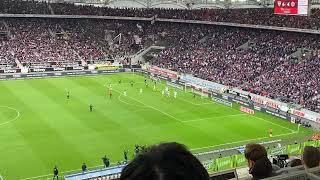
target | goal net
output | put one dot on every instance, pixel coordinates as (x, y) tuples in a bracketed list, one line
[(195, 89)]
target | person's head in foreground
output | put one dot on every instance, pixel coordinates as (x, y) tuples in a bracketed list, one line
[(259, 165), (311, 157), (166, 161), (295, 163)]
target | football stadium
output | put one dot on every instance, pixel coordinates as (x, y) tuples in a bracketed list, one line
[(159, 90)]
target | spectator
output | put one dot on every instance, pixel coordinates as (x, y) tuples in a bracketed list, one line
[(167, 161), (311, 157), (259, 165), (84, 167), (295, 163)]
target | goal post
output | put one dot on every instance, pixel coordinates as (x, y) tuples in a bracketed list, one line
[(195, 89)]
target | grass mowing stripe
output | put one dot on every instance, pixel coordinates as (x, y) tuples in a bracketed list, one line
[(216, 117), (12, 119), (243, 141), (114, 125), (152, 107)]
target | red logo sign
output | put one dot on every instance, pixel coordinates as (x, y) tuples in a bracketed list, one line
[(246, 110), (272, 105), (164, 72), (286, 7), (298, 113), (257, 100)]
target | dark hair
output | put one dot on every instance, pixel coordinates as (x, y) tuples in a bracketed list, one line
[(311, 156), (255, 152), (262, 167), (166, 161), (295, 162)]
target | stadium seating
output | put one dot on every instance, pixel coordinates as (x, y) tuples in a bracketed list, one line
[(258, 61), (259, 16), (233, 57)]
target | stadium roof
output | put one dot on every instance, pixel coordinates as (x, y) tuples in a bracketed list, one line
[(192, 4)]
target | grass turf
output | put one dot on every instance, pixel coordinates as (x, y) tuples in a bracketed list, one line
[(40, 128)]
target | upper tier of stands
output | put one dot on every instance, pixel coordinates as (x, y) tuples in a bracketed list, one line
[(258, 16), (259, 61)]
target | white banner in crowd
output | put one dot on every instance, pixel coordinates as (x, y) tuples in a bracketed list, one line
[(267, 102), (203, 83)]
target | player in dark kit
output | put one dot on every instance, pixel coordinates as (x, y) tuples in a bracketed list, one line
[(119, 81), (91, 107), (55, 173), (131, 83), (136, 149), (125, 155), (106, 161), (110, 94), (84, 167), (145, 82), (68, 95)]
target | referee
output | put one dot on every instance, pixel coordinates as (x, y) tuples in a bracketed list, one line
[(55, 173)]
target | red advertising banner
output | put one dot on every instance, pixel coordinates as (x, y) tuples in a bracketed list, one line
[(272, 105), (298, 113), (163, 72), (257, 100), (292, 7), (246, 110), (286, 7)]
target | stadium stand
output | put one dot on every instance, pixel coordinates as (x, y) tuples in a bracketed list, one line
[(251, 59), (280, 65), (258, 16)]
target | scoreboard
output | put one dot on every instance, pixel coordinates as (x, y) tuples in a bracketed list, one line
[(292, 7)]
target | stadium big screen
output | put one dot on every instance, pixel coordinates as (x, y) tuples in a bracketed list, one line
[(292, 7)]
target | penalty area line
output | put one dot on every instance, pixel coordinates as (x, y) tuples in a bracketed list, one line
[(216, 117), (196, 104), (119, 98), (243, 141), (146, 105)]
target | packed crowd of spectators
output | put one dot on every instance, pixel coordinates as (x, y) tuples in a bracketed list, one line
[(289, 82), (43, 41), (255, 60), (23, 7), (169, 161), (258, 16)]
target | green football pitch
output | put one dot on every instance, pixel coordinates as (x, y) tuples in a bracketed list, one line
[(40, 128)]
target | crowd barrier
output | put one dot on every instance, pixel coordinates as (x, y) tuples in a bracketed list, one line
[(238, 160)]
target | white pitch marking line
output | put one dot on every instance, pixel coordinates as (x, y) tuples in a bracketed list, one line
[(35, 177), (152, 107), (264, 120), (196, 104), (274, 123), (119, 98), (236, 142), (216, 117), (15, 118)]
